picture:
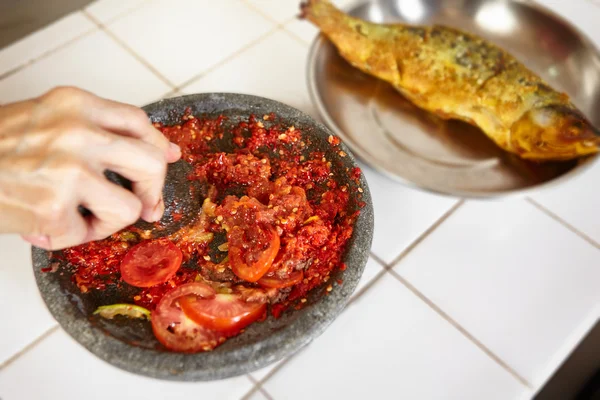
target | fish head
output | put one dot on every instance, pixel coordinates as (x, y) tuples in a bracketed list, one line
[(558, 132)]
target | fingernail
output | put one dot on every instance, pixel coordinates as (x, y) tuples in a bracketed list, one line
[(175, 149), (159, 210), (42, 241)]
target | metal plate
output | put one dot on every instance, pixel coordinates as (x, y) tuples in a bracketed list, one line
[(450, 157)]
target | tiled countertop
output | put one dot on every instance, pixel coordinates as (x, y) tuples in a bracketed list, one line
[(460, 299)]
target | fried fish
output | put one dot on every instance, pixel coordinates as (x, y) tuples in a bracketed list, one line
[(457, 75)]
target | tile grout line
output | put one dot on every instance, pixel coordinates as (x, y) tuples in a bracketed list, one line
[(251, 392), (243, 49), (378, 259), (225, 60), (253, 389), (257, 388), (170, 93), (294, 35), (365, 288), (390, 269), (259, 11), (48, 53), (70, 41), (386, 268), (109, 21), (265, 393), (283, 362), (369, 284), (425, 234), (563, 222), (461, 329), (29, 347), (251, 378), (278, 367), (129, 50)]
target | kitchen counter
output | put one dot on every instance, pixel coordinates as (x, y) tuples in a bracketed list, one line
[(459, 300)]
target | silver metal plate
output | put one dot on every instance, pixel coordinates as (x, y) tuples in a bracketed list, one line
[(450, 157)]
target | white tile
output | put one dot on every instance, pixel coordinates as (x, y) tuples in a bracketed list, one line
[(279, 10), (95, 63), (303, 30), (24, 315), (401, 214), (64, 370), (577, 201), (107, 10), (262, 373), (279, 76), (186, 37), (371, 270), (517, 280), (581, 13), (284, 10), (389, 344), (44, 41), (258, 395)]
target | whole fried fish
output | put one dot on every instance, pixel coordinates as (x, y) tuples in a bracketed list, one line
[(461, 76)]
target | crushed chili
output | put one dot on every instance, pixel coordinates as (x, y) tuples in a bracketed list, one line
[(268, 183)]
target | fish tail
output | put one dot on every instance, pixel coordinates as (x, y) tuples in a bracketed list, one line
[(315, 9), (361, 43), (327, 17)]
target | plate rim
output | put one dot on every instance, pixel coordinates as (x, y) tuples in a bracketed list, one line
[(310, 70)]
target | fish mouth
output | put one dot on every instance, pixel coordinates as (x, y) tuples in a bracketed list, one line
[(555, 152), (591, 138)]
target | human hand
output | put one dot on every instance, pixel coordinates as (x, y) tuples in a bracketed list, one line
[(53, 153)]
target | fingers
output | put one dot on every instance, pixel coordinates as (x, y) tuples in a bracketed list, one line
[(120, 118), (130, 121), (143, 164), (72, 231), (140, 162), (41, 241), (135, 154), (113, 208), (74, 137)]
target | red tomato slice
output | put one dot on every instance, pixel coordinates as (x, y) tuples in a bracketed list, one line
[(150, 263), (226, 313), (175, 330), (263, 255), (273, 281)]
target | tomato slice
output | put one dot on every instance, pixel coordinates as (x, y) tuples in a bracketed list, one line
[(175, 330), (150, 263), (251, 258), (226, 313), (273, 281)]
